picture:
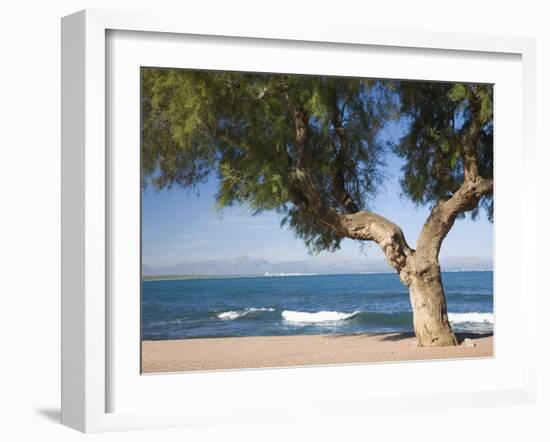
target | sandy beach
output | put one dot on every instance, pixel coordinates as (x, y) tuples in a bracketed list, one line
[(287, 351)]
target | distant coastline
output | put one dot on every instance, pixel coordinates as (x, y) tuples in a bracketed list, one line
[(186, 277), (146, 278), (242, 266)]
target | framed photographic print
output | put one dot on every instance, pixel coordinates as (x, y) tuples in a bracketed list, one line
[(251, 213), (252, 151)]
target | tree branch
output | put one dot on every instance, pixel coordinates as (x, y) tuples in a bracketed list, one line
[(361, 225), (444, 214), (343, 196), (369, 226), (471, 138), (466, 198)]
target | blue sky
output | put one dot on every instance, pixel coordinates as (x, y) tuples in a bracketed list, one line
[(180, 225)]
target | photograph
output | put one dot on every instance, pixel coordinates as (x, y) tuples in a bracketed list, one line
[(292, 220)]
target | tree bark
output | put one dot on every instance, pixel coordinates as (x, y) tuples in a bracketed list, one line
[(431, 324), (423, 275), (418, 269)]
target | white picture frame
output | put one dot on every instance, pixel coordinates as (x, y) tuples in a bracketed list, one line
[(87, 207)]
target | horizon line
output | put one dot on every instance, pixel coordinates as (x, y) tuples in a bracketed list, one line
[(183, 277), (290, 260)]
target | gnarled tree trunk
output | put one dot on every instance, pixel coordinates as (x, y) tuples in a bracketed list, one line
[(431, 324), (422, 273)]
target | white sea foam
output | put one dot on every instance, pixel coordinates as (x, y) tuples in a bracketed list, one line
[(317, 317), (471, 317), (235, 314)]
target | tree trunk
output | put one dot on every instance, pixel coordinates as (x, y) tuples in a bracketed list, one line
[(431, 324), (418, 269)]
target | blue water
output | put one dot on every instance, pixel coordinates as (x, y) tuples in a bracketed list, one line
[(296, 305)]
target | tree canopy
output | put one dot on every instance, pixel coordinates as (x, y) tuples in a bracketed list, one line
[(310, 147), (450, 129)]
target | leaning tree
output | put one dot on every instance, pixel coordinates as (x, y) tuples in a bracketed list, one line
[(309, 147)]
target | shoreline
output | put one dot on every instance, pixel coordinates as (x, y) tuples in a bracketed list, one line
[(206, 354), (151, 278)]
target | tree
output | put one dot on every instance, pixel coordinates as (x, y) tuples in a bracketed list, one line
[(309, 148)]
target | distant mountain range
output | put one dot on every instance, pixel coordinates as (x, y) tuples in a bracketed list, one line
[(326, 264)]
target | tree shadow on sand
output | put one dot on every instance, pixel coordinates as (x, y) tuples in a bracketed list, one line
[(459, 336), (399, 336)]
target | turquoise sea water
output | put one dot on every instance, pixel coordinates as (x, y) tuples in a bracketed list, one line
[(296, 305)]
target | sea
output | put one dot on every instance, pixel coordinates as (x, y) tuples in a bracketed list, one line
[(275, 305)]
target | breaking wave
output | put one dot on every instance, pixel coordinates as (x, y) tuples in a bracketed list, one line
[(317, 317), (471, 317), (236, 314), (327, 316)]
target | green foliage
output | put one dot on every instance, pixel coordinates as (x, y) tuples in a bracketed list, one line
[(457, 92), (439, 118), (241, 128)]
